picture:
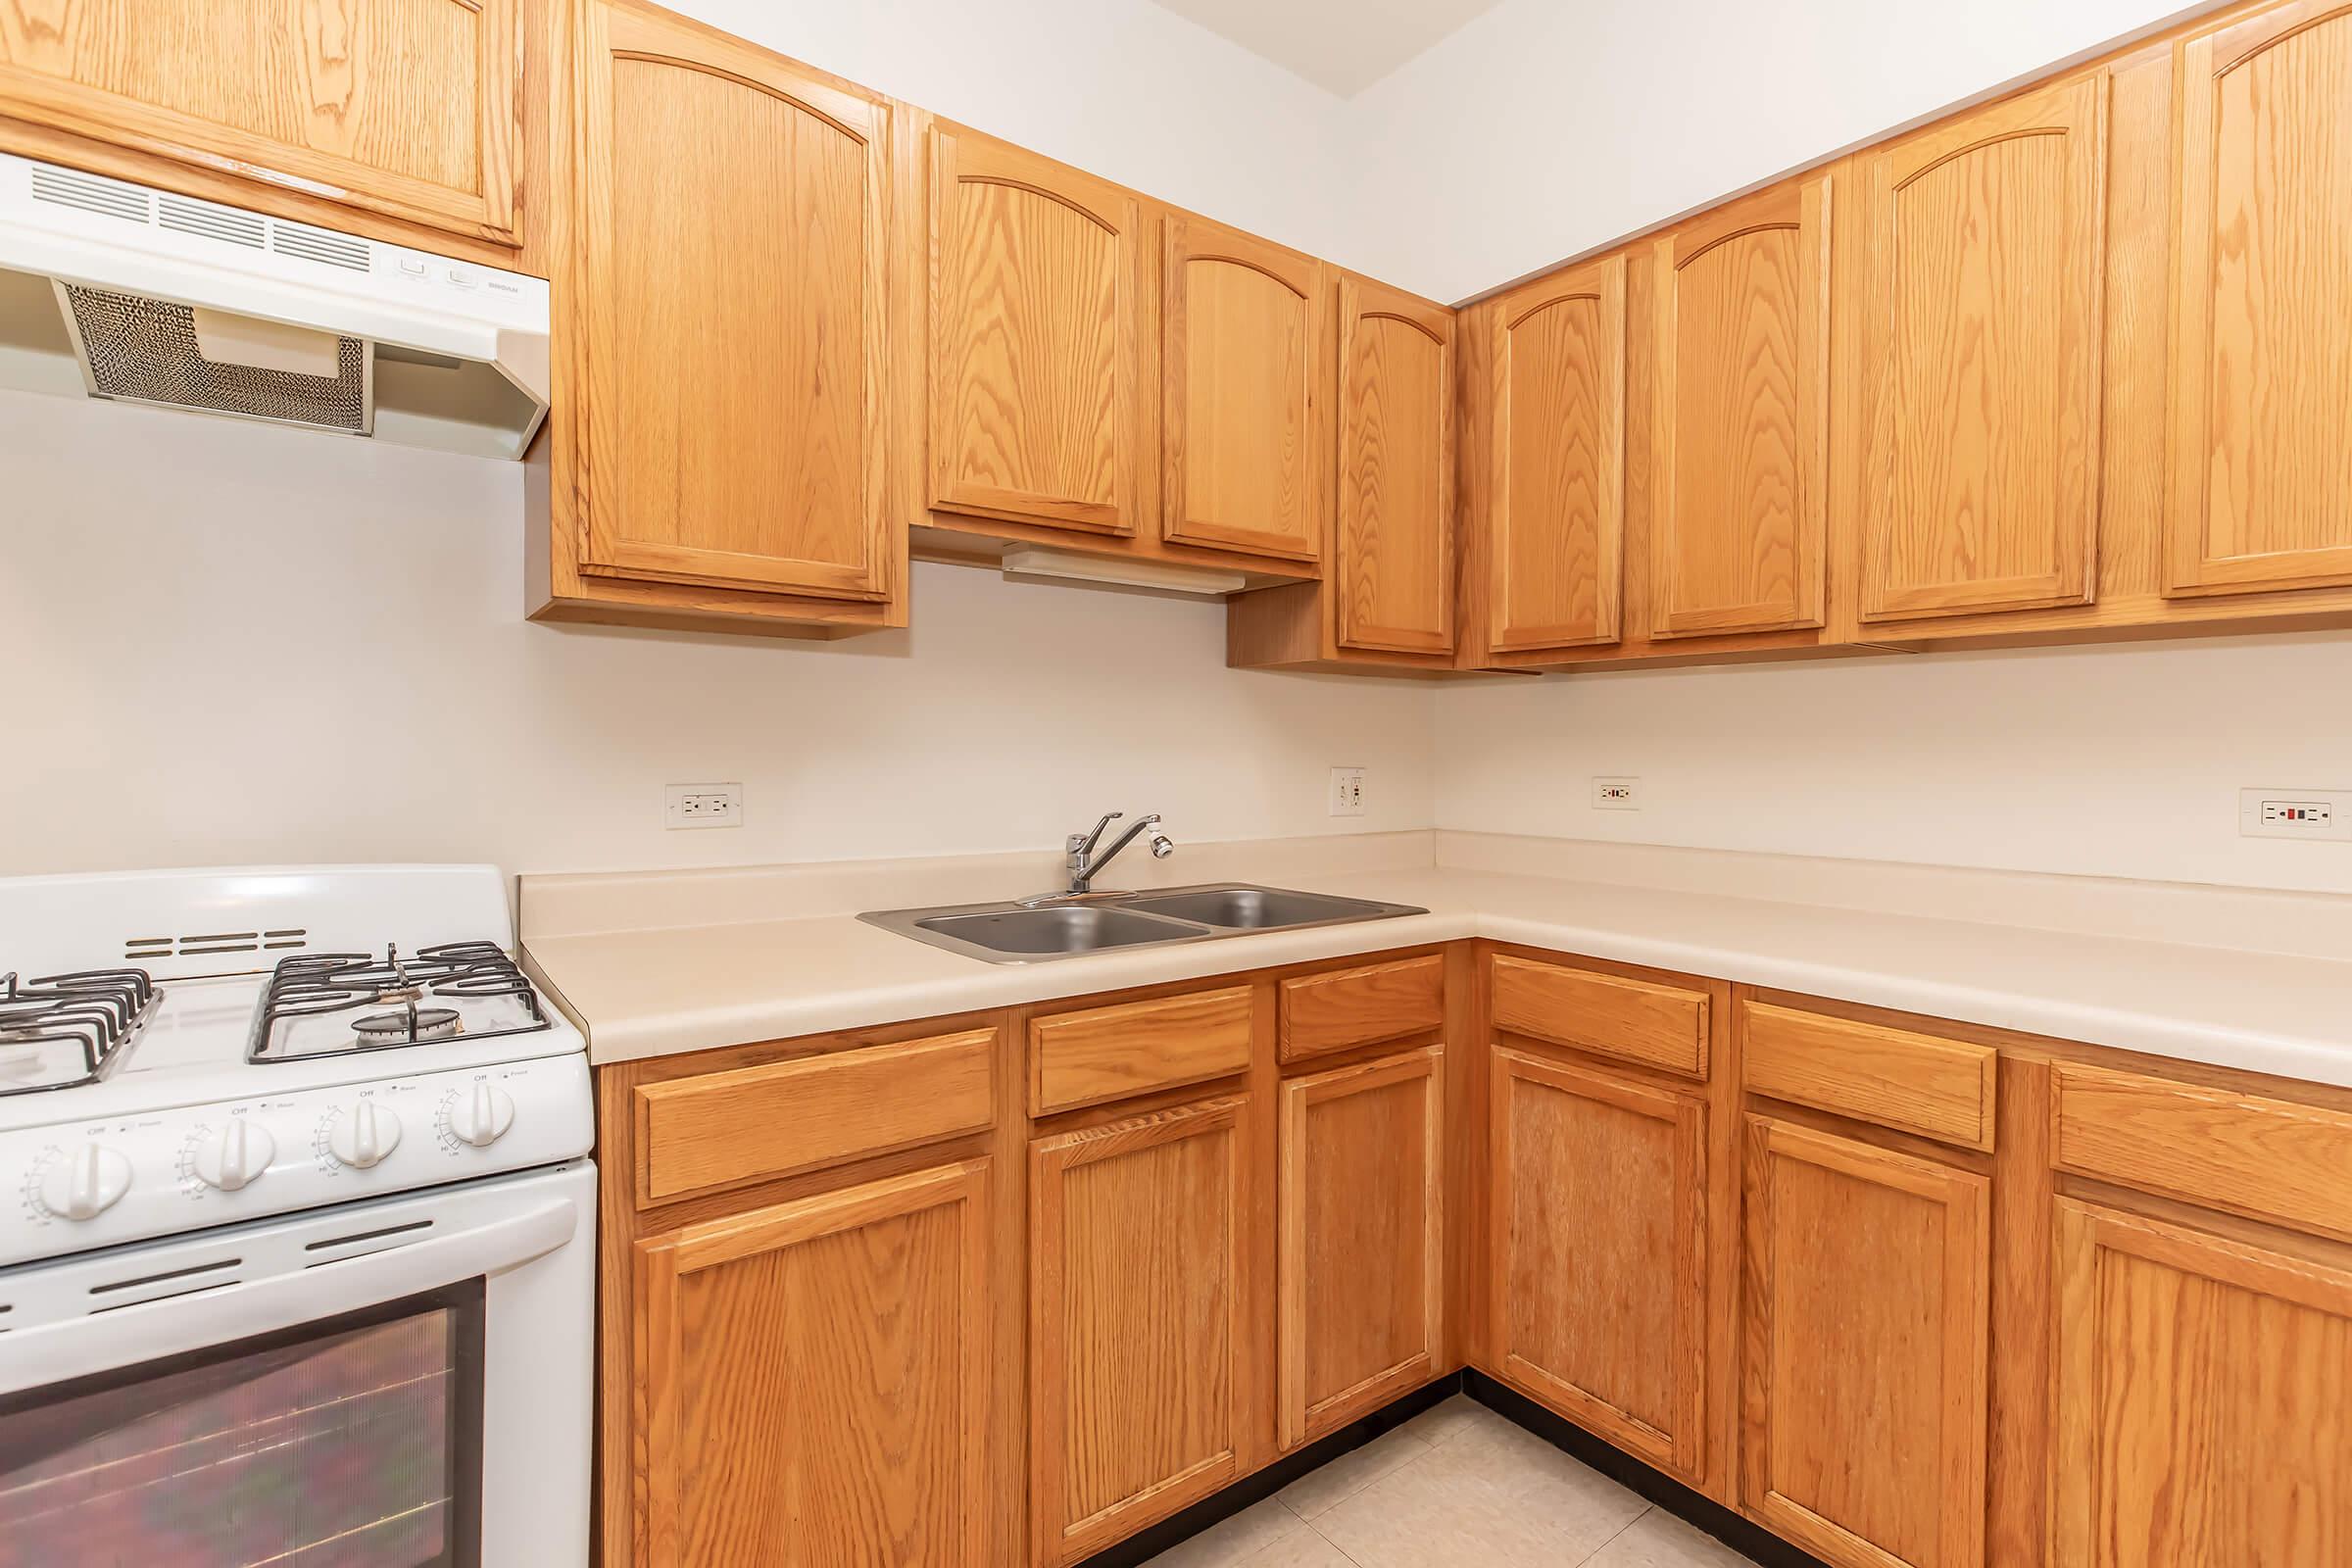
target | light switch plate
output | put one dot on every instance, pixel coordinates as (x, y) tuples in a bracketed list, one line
[(1346, 792), (2284, 813), (702, 805)]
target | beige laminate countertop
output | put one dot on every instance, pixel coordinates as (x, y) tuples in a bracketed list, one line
[(686, 988)]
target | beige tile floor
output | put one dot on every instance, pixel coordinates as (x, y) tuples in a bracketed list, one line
[(1455, 1484)]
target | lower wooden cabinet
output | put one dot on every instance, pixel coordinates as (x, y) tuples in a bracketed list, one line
[(1599, 1186), (812, 1378), (1864, 1333), (1361, 1267), (2203, 1386), (1139, 1398)]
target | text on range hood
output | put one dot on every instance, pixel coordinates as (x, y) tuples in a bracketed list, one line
[(114, 290)]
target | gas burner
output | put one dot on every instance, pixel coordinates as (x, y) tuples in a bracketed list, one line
[(60, 1030), (329, 1004), (407, 1026)]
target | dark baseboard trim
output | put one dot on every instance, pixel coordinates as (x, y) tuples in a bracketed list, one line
[(1749, 1540), (1153, 1540)]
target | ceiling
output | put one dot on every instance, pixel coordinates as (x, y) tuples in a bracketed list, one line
[(1341, 45)]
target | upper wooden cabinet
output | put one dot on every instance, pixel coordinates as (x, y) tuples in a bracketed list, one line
[(408, 107), (736, 229), (1394, 549), (2262, 315), (1040, 277), (812, 1380), (1245, 393), (1740, 441), (1975, 296), (1555, 519)]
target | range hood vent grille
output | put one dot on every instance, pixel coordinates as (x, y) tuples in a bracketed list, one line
[(110, 198), (145, 350)]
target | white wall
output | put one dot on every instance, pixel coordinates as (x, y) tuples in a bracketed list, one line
[(2121, 760), (226, 643), (1544, 129)]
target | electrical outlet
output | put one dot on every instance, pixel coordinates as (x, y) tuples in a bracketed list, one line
[(1346, 792), (704, 805), (2294, 813), (1616, 795)]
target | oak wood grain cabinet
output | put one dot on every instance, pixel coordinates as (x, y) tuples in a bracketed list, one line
[(812, 1377), (1139, 1276), (731, 444), (2200, 1398), (1864, 1333), (2262, 353), (1974, 294), (411, 109), (1360, 1257), (1598, 1183), (1552, 536), (1039, 411)]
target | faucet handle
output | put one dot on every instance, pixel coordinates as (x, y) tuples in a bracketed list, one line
[(1084, 843)]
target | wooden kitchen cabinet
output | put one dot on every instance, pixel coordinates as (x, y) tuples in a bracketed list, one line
[(1864, 1333), (1974, 294), (2262, 351), (1360, 1259), (1600, 1220), (812, 1380), (1739, 440), (1245, 393), (2201, 1391), (1393, 550), (1139, 1283), (1040, 408), (731, 449), (411, 109), (1553, 538)]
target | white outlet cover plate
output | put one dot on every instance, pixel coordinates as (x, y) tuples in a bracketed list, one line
[(1346, 792), (2334, 805), (1616, 794), (701, 806)]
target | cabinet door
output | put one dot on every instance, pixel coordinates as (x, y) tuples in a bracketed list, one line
[(1246, 362), (1556, 534), (403, 107), (736, 225), (2261, 324), (1979, 277), (2202, 1392), (1137, 1405), (1599, 1281), (1360, 1269), (1863, 1346), (1394, 554), (1740, 439), (1037, 282), (814, 1380)]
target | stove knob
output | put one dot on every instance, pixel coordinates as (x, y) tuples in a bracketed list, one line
[(86, 1184), (482, 1115), (364, 1134), (236, 1155)]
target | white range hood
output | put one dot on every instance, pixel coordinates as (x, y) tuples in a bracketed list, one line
[(113, 290)]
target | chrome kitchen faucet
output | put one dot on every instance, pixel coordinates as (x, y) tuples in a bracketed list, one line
[(1085, 865)]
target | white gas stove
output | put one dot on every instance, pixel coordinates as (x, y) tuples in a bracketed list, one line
[(296, 1227)]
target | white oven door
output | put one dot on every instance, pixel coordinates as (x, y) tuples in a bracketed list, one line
[(388, 1384)]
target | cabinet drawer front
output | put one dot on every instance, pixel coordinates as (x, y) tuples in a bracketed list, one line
[(1940, 1089), (723, 1128), (2266, 1158), (1633, 1020), (1345, 1007), (1104, 1053)]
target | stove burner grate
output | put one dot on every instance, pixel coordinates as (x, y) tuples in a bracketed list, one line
[(90, 1013), (312, 985)]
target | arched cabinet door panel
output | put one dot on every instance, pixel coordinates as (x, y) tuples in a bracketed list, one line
[(1394, 554), (2262, 319), (1978, 286), (735, 221)]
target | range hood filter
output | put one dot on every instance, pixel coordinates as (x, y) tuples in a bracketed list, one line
[(146, 351)]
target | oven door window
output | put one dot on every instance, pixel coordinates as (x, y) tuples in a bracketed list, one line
[(353, 1442)]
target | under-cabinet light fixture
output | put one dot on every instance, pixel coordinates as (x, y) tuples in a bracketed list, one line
[(1151, 577)]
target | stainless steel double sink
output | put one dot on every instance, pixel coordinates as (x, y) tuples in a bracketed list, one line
[(1066, 926)]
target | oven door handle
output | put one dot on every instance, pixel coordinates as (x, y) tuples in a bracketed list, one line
[(130, 1335)]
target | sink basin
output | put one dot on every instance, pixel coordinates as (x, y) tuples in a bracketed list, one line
[(1247, 909), (1057, 930), (1034, 930)]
